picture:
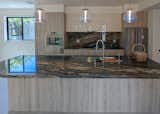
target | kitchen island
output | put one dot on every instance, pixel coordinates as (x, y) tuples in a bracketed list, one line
[(73, 84), (75, 67)]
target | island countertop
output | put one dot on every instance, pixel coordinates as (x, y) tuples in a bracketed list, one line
[(74, 67)]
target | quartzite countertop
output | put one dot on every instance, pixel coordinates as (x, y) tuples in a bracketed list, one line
[(74, 67)]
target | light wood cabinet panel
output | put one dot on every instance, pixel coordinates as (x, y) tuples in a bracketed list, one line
[(142, 21), (84, 95), (132, 36), (54, 23)]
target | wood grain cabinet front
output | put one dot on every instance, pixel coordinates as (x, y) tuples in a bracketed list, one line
[(54, 23)]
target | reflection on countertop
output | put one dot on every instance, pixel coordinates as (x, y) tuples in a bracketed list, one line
[(75, 67)]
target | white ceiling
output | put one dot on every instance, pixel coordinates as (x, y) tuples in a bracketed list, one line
[(16, 3), (89, 2), (30, 3)]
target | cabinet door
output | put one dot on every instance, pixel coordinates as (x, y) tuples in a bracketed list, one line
[(134, 36), (141, 21), (55, 22)]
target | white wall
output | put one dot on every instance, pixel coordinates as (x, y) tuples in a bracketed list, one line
[(4, 96), (10, 49), (154, 34)]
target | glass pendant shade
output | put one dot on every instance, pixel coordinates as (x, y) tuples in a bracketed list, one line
[(39, 15), (84, 18), (130, 16)]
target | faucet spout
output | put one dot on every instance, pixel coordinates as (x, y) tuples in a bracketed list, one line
[(99, 41)]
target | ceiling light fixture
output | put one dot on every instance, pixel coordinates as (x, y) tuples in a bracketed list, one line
[(130, 15), (40, 14), (84, 17)]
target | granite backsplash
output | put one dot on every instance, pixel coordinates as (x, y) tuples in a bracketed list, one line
[(77, 40)]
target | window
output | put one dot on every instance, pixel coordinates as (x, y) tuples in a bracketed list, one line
[(20, 28), (22, 64)]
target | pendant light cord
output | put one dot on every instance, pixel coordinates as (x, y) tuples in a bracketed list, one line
[(38, 3), (130, 4), (122, 6), (84, 4)]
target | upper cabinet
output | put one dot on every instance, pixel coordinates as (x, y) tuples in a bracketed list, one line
[(50, 34), (98, 16), (141, 21), (112, 21), (55, 22), (135, 33)]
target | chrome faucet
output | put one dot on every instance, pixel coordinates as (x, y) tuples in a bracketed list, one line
[(99, 41)]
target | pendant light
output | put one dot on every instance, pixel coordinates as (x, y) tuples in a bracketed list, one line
[(39, 16), (129, 15), (84, 17)]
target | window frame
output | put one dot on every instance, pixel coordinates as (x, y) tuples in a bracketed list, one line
[(7, 22), (23, 66)]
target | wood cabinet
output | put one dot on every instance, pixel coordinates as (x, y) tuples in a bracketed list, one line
[(133, 36), (142, 19), (84, 95), (54, 22), (135, 33)]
